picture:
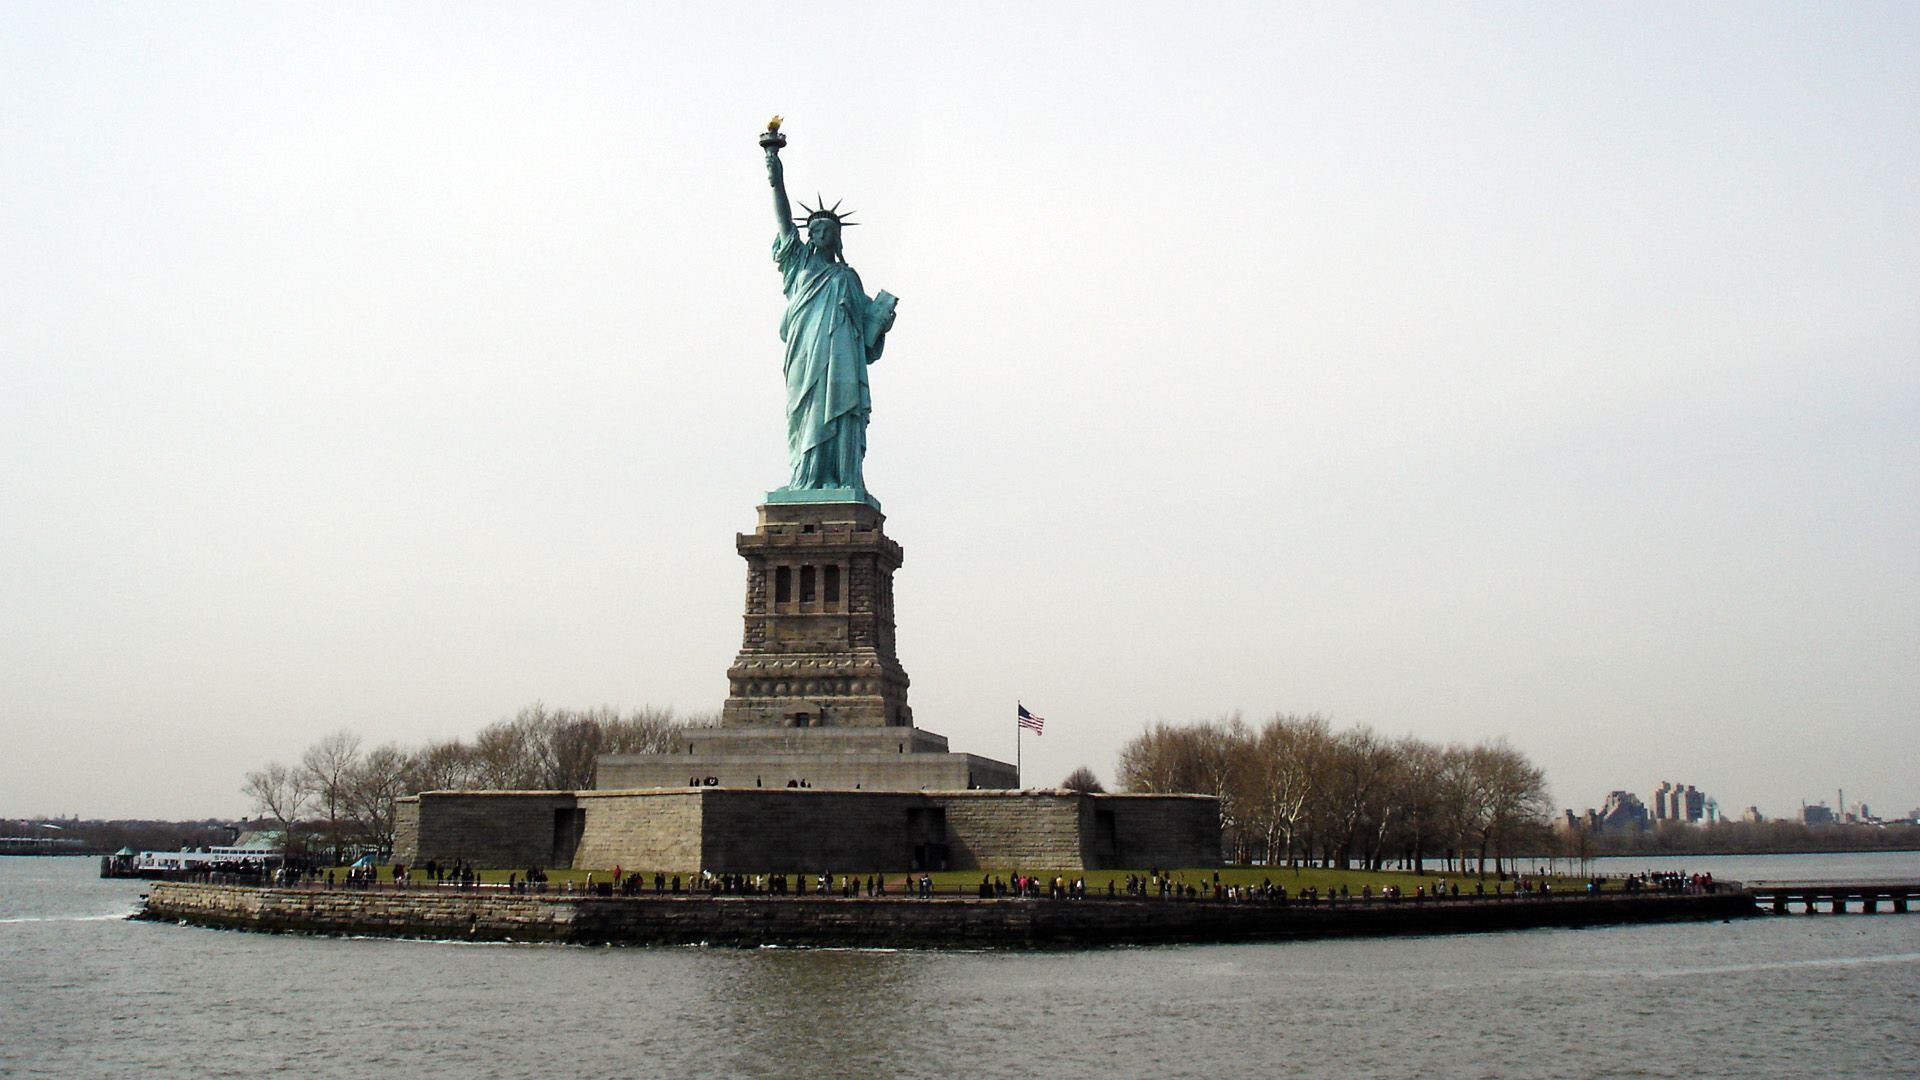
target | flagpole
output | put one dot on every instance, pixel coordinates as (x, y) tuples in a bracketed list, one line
[(1018, 780)]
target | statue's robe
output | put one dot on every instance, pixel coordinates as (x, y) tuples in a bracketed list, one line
[(832, 331)]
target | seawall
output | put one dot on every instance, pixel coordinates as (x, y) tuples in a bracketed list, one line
[(881, 921)]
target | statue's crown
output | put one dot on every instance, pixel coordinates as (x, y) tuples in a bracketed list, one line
[(823, 211)]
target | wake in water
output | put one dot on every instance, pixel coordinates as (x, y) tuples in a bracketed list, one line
[(1565, 974), (117, 917), (1784, 965)]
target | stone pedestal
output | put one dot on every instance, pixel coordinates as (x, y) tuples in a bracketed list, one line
[(816, 698), (818, 645)]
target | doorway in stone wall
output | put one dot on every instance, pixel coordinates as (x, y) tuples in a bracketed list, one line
[(929, 856), (927, 837), (569, 824), (1106, 841)]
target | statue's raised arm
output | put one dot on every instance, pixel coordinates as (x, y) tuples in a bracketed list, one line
[(832, 330), (771, 142)]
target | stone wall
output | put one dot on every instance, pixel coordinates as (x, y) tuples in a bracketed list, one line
[(849, 758), (1015, 830), (449, 913), (808, 831), (701, 742), (745, 830), (654, 830), (983, 772), (485, 915), (406, 829), (489, 828), (842, 772), (1162, 830)]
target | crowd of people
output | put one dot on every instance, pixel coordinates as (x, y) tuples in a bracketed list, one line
[(1154, 884), (1670, 881)]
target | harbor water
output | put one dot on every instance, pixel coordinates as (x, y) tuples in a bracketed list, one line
[(84, 991)]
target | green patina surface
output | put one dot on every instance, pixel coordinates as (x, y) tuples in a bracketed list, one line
[(832, 331), (822, 495)]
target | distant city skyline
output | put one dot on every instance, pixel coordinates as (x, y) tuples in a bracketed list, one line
[(1684, 803), (1544, 372)]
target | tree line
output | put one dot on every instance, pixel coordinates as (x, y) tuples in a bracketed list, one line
[(339, 796), (1293, 790), (99, 837)]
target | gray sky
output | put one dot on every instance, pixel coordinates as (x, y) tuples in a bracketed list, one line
[(1503, 370)]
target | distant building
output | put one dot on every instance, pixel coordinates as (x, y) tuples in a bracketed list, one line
[(1751, 815), (1671, 802), (1817, 814), (1622, 811), (1663, 802)]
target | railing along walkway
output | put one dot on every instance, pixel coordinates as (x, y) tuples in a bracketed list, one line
[(1780, 897)]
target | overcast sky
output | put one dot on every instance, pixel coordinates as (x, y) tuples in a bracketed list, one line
[(1506, 370)]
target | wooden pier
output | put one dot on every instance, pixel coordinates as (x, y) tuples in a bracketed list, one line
[(1838, 898)]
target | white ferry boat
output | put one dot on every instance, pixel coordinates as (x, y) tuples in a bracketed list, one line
[(127, 863)]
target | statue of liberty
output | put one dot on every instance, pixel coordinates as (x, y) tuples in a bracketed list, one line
[(832, 331)]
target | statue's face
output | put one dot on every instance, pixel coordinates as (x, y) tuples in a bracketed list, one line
[(823, 235)]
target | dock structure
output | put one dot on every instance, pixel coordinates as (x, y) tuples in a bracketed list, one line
[(1810, 897)]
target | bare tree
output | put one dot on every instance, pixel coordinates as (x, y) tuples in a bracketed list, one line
[(574, 745), (1517, 806), (280, 794), (441, 766), (1288, 754), (377, 779), (1421, 765), (1082, 779), (537, 748), (1213, 764), (1358, 769), (649, 730), (327, 766), (1149, 762), (507, 755), (1456, 806), (547, 749), (1293, 789)]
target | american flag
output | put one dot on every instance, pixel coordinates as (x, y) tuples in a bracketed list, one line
[(1028, 720)]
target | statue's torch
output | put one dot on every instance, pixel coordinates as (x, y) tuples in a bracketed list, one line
[(771, 139)]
